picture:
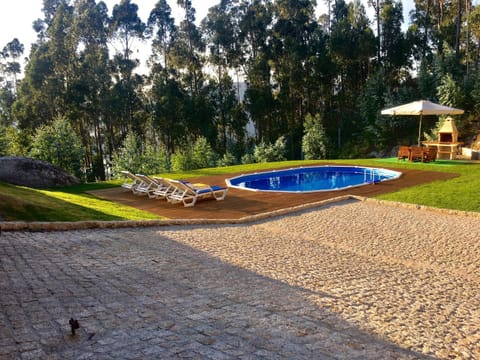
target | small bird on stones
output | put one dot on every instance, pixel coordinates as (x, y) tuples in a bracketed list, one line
[(74, 325)]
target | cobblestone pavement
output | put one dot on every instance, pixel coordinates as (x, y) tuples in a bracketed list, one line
[(350, 281)]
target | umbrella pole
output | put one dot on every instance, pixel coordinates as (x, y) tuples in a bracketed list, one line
[(420, 130)]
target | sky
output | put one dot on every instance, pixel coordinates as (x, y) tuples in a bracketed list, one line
[(17, 16)]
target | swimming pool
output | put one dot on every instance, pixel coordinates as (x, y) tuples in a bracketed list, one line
[(313, 178)]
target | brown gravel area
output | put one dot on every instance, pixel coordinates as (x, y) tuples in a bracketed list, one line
[(241, 203)]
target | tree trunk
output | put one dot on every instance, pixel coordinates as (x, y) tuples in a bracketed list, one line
[(459, 28)]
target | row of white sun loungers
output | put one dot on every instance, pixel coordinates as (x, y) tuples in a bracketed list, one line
[(174, 191)]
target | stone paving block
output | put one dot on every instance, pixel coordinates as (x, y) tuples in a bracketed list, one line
[(320, 284)]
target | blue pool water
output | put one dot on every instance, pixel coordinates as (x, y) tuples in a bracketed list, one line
[(315, 178)]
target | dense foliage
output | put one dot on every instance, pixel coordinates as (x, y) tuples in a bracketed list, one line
[(313, 142), (58, 144), (241, 82)]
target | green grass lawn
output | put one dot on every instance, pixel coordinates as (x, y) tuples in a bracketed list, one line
[(460, 193), (74, 204)]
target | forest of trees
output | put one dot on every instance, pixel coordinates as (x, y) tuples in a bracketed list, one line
[(302, 76)]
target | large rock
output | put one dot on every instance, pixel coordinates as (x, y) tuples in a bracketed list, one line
[(33, 173)]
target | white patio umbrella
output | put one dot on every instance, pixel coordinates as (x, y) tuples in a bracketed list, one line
[(421, 107)]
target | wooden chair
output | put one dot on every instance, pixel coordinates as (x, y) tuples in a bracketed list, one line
[(403, 153), (416, 153), (430, 154)]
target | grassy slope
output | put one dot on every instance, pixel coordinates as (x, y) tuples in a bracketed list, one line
[(73, 204), (68, 204)]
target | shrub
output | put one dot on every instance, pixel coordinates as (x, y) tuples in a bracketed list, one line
[(313, 141), (155, 160), (138, 158), (227, 160), (182, 160), (58, 144), (129, 157), (248, 159), (270, 152), (4, 142), (203, 155)]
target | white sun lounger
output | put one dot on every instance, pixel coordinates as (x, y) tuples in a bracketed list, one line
[(147, 186), (131, 181), (188, 194), (163, 189)]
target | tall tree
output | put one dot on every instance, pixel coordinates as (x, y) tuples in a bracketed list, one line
[(221, 30), (42, 94), (375, 4), (126, 27), (294, 27), (255, 35), (394, 50), (352, 45), (420, 30), (188, 59), (10, 68), (166, 95), (189, 49), (90, 88), (474, 21), (161, 25)]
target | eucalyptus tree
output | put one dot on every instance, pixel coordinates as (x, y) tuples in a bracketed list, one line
[(439, 23), (161, 26), (420, 31), (188, 60), (229, 119), (42, 94), (221, 30), (166, 96), (62, 51), (322, 76), (376, 131), (449, 23), (352, 45), (326, 18), (474, 22), (431, 37), (293, 35), (255, 34), (376, 4), (189, 49), (126, 28), (90, 88), (10, 65), (394, 48), (10, 68)]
